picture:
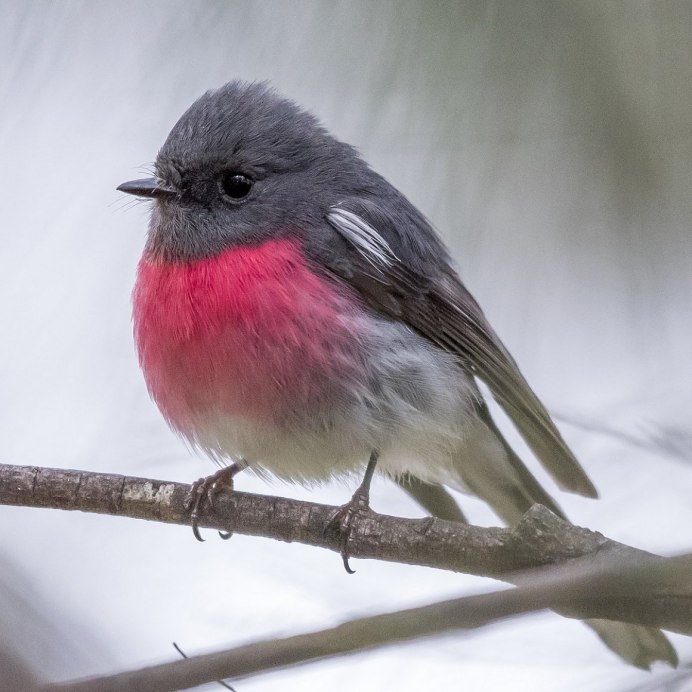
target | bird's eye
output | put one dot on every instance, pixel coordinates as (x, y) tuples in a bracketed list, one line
[(235, 185)]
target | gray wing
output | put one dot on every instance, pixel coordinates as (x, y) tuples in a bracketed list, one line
[(431, 299)]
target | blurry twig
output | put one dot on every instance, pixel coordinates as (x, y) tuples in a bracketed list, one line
[(547, 587), (668, 440), (185, 656)]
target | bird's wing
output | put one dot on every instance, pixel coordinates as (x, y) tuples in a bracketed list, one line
[(436, 304)]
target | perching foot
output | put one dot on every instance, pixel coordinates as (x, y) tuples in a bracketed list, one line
[(341, 520), (206, 490)]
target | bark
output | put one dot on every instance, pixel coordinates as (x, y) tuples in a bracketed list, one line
[(539, 539), (577, 572)]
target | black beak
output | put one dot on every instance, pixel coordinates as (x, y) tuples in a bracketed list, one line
[(148, 187)]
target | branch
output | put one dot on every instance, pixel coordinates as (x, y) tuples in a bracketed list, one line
[(549, 587), (539, 539)]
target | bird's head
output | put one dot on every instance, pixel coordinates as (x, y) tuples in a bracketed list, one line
[(243, 165)]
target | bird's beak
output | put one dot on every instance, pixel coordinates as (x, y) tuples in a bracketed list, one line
[(154, 188)]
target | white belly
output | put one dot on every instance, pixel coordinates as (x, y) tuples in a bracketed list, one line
[(414, 407)]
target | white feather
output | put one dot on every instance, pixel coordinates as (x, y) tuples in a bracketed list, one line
[(368, 241)]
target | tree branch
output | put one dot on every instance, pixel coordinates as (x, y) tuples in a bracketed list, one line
[(539, 539), (545, 587)]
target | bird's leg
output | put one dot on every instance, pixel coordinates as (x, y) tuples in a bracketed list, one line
[(342, 518), (205, 490)]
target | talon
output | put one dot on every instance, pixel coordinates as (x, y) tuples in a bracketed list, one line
[(195, 530), (342, 518), (347, 567), (342, 521), (194, 501), (205, 490)]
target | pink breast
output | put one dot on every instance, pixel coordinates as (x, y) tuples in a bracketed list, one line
[(252, 332)]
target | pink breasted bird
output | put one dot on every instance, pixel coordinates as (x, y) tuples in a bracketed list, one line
[(295, 314)]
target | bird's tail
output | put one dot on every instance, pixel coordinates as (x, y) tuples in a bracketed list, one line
[(502, 480)]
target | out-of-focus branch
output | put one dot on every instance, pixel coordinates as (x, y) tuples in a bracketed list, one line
[(547, 587)]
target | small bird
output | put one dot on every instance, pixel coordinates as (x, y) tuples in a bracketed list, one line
[(296, 315)]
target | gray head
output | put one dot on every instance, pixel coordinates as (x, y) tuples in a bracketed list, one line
[(242, 165)]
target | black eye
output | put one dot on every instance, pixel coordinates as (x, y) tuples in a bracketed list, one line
[(235, 185)]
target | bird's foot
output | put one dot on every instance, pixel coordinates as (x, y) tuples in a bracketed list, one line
[(341, 521), (206, 490)]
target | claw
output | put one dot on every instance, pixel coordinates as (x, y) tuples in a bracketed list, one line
[(342, 519), (195, 530), (342, 522), (205, 490)]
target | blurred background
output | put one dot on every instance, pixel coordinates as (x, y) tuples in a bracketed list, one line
[(549, 143)]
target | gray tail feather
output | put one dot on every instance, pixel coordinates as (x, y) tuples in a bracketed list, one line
[(519, 499), (639, 645), (432, 498)]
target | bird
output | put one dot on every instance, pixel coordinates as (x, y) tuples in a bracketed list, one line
[(296, 315)]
